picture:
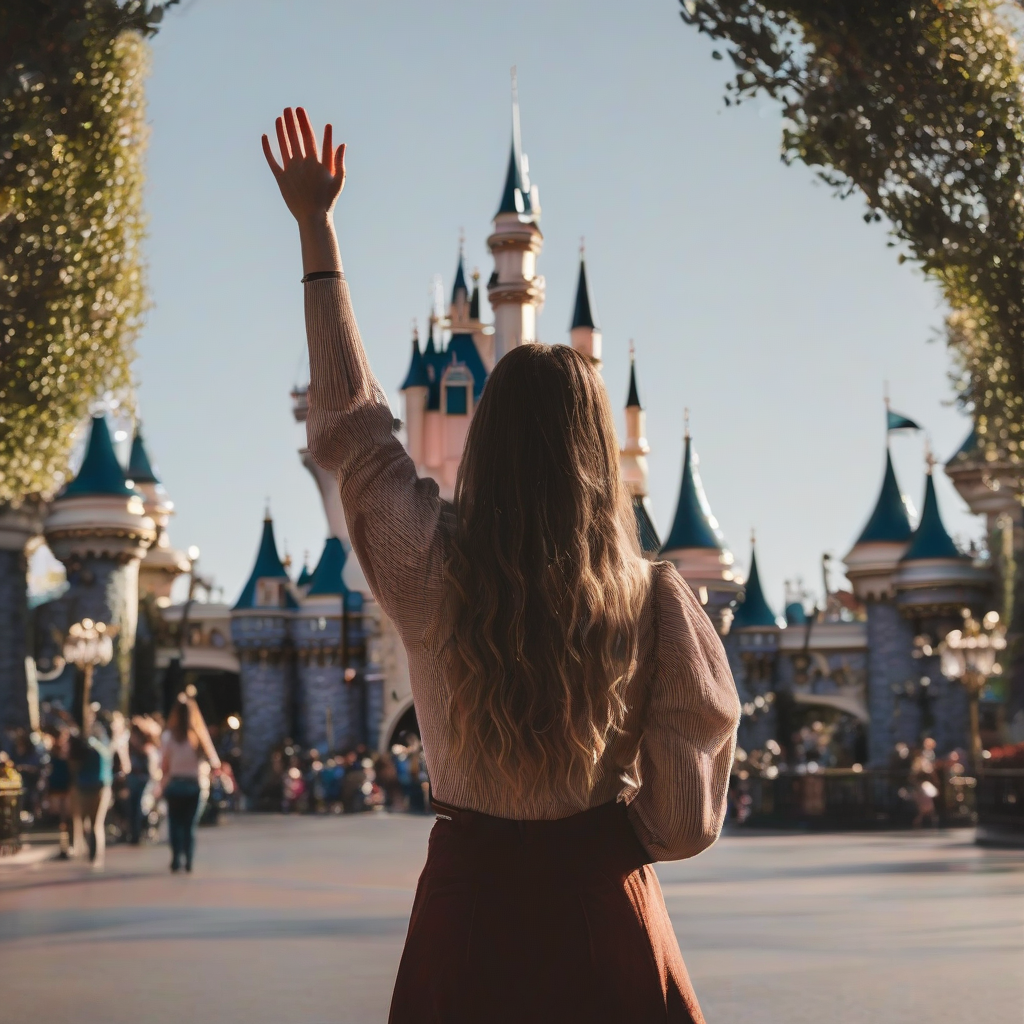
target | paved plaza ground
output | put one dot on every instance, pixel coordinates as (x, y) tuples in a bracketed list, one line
[(302, 920)]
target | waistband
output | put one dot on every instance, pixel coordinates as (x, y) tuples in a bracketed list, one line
[(605, 826)]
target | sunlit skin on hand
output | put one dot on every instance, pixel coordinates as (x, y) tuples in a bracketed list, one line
[(310, 179)]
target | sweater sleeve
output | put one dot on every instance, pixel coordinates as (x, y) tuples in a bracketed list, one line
[(689, 731), (393, 516)]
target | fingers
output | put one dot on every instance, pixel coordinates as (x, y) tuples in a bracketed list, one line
[(308, 138), (282, 141), (293, 133), (327, 151), (268, 152)]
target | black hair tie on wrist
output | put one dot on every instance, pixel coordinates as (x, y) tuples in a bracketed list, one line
[(321, 275)]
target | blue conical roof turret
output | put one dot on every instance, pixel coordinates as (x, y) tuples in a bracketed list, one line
[(100, 472), (515, 197), (417, 377), (633, 398), (646, 531), (268, 566), (582, 315), (460, 281), (889, 521), (140, 469), (327, 579), (753, 612), (930, 539), (694, 526), (967, 449)]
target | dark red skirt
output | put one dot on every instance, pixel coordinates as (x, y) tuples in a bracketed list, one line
[(534, 922)]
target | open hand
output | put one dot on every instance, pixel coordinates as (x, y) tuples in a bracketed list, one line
[(310, 181)]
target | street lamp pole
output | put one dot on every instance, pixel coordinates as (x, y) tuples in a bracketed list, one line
[(970, 655), (87, 645)]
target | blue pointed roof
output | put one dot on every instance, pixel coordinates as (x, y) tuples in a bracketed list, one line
[(464, 350), (140, 469), (646, 531), (417, 377), (327, 578), (268, 566), (753, 612), (694, 526), (889, 521), (515, 197), (796, 614), (968, 448), (305, 576), (460, 280), (582, 315), (930, 539), (100, 472), (474, 299), (633, 398)]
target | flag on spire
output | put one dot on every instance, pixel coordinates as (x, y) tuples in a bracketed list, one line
[(897, 421)]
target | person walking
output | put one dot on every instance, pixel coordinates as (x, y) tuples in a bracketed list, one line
[(92, 781), (144, 757), (187, 757), (58, 787), (576, 708)]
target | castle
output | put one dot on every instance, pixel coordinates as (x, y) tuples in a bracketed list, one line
[(314, 658)]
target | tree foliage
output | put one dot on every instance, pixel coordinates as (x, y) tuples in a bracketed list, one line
[(72, 137), (918, 105)]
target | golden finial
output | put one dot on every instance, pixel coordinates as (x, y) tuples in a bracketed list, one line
[(929, 457), (462, 240), (686, 423), (266, 510), (583, 246), (753, 536), (632, 351)]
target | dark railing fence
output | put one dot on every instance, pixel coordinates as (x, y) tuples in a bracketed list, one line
[(1001, 807), (837, 798)]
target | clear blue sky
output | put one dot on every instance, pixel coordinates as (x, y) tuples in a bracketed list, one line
[(755, 297)]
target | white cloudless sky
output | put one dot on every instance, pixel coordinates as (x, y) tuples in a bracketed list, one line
[(755, 297)]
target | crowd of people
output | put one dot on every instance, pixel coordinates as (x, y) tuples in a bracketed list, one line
[(346, 781), (928, 785), (121, 779)]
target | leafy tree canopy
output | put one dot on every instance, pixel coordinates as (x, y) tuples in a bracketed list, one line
[(72, 135), (918, 105)]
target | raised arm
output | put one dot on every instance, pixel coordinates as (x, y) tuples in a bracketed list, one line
[(689, 732), (392, 515)]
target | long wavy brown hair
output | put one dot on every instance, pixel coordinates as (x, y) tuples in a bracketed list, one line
[(545, 579)]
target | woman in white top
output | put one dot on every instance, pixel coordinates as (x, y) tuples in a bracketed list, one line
[(188, 755)]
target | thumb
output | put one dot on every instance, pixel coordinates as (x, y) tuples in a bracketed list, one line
[(339, 164)]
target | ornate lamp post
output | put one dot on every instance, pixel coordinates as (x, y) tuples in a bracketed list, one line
[(971, 655), (87, 645)]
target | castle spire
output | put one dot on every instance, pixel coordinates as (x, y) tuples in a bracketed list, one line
[(930, 539), (633, 398), (754, 611), (889, 521), (584, 333), (693, 526), (268, 566), (140, 469), (100, 472), (515, 290)]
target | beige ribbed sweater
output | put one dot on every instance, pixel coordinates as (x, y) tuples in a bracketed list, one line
[(683, 706)]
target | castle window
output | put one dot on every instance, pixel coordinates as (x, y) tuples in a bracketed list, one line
[(456, 400)]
